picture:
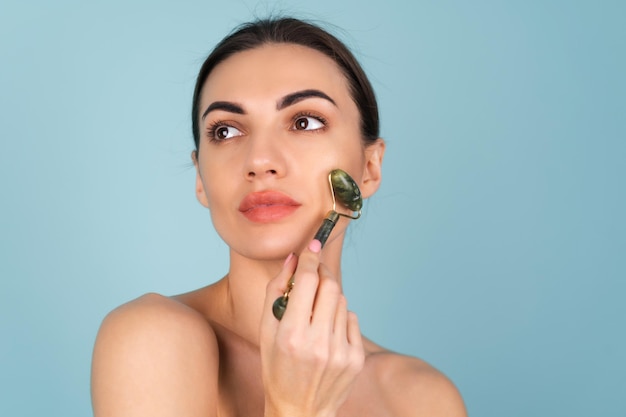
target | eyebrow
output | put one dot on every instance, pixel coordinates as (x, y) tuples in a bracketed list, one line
[(225, 106), (298, 96), (286, 101)]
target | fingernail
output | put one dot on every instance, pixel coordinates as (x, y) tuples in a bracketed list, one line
[(288, 259), (315, 246)]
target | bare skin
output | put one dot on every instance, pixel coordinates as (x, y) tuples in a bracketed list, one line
[(218, 351)]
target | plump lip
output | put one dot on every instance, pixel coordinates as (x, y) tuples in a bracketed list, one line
[(267, 206)]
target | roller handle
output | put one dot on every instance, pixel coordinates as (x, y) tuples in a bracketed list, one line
[(327, 226), (329, 222)]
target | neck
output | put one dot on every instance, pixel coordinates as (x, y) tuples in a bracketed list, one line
[(242, 291)]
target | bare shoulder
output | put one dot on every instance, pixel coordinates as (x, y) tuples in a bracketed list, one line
[(154, 356), (411, 387)]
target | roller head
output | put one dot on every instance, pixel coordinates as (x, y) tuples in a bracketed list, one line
[(345, 189)]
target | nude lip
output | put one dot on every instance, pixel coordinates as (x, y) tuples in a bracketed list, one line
[(267, 206)]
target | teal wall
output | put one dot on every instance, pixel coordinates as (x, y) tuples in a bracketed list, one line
[(495, 248)]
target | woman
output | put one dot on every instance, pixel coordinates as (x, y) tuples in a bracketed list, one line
[(278, 104)]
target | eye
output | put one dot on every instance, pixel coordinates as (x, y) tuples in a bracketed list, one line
[(308, 122), (220, 131)]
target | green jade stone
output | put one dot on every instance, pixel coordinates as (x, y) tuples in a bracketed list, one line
[(279, 307), (346, 189)]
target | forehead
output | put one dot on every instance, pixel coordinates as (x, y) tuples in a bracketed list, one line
[(272, 70)]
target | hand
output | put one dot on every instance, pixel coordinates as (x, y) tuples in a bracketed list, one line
[(311, 357)]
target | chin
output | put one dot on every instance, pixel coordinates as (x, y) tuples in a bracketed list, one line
[(268, 249), (270, 242)]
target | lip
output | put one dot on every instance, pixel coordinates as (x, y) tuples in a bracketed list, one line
[(267, 206)]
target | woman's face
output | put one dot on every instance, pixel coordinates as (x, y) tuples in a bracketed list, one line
[(274, 121)]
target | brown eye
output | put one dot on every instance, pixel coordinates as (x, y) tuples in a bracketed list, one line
[(221, 132), (302, 123), (308, 123)]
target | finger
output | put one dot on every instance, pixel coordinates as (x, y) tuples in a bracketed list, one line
[(354, 331), (340, 328), (306, 279), (355, 340), (325, 305)]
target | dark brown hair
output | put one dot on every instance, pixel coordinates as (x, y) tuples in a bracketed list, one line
[(289, 30)]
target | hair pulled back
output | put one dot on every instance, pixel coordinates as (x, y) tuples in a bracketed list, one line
[(294, 31)]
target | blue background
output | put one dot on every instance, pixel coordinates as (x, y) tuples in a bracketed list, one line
[(494, 250)]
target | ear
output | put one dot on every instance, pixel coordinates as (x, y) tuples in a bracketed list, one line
[(200, 193), (372, 171)]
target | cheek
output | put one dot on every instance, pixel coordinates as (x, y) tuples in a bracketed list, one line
[(216, 195), (216, 185), (352, 160)]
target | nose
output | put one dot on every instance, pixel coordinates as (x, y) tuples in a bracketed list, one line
[(264, 158)]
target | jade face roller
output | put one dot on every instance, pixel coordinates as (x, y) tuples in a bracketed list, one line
[(344, 189)]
